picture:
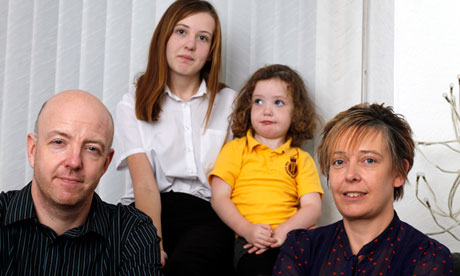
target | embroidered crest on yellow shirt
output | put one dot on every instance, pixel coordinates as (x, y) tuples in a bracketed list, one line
[(291, 167)]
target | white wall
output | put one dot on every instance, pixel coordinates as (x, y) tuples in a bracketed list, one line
[(47, 46), (412, 56), (426, 61)]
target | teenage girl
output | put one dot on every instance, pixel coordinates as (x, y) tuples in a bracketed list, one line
[(169, 133), (263, 184)]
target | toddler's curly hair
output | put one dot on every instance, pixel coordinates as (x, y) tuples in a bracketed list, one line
[(304, 118)]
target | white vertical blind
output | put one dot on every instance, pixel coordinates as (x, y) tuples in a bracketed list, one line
[(69, 37), (15, 97), (47, 46)]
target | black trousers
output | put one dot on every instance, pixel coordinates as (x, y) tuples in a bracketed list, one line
[(251, 264), (196, 240)]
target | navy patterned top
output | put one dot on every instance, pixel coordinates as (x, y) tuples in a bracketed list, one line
[(399, 250), (115, 240)]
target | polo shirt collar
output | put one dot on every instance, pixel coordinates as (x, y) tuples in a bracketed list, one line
[(22, 208), (252, 143), (202, 90)]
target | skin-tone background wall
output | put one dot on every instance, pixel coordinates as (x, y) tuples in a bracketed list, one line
[(410, 55)]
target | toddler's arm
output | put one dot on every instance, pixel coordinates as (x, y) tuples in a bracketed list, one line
[(259, 235), (306, 217)]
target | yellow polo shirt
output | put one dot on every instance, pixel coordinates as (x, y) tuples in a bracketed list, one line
[(266, 184)]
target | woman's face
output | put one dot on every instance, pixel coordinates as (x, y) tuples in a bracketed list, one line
[(189, 45), (362, 178)]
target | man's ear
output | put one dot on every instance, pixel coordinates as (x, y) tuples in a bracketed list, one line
[(31, 148), (108, 159)]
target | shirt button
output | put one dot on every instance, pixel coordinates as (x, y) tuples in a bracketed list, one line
[(189, 150), (190, 171)]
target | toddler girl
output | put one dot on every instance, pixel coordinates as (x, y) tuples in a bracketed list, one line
[(263, 184)]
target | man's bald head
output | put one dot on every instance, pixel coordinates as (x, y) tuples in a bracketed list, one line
[(77, 99)]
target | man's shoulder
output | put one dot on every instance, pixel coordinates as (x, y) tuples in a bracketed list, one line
[(131, 213), (125, 213), (132, 235), (5, 200), (121, 222), (5, 197)]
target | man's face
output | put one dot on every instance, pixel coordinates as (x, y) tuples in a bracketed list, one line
[(70, 152), (362, 179)]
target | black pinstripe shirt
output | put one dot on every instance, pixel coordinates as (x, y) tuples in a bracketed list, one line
[(115, 240)]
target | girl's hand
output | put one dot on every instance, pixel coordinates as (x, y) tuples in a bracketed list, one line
[(255, 249), (280, 235), (163, 257), (259, 235)]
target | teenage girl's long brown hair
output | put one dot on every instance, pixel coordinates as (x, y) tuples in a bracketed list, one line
[(151, 85)]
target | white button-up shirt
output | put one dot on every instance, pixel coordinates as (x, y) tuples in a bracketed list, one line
[(181, 152)]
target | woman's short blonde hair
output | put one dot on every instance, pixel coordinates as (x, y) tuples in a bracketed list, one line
[(361, 120)]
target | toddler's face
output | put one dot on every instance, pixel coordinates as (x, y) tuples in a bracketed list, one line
[(271, 111)]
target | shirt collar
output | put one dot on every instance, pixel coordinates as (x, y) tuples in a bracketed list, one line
[(286, 147), (202, 90), (97, 221), (22, 208), (390, 234)]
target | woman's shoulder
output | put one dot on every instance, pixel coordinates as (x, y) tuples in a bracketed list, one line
[(423, 253), (319, 234), (418, 245), (223, 102), (128, 98), (227, 92), (415, 238)]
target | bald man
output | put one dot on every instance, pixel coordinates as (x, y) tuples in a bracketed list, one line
[(57, 224)]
